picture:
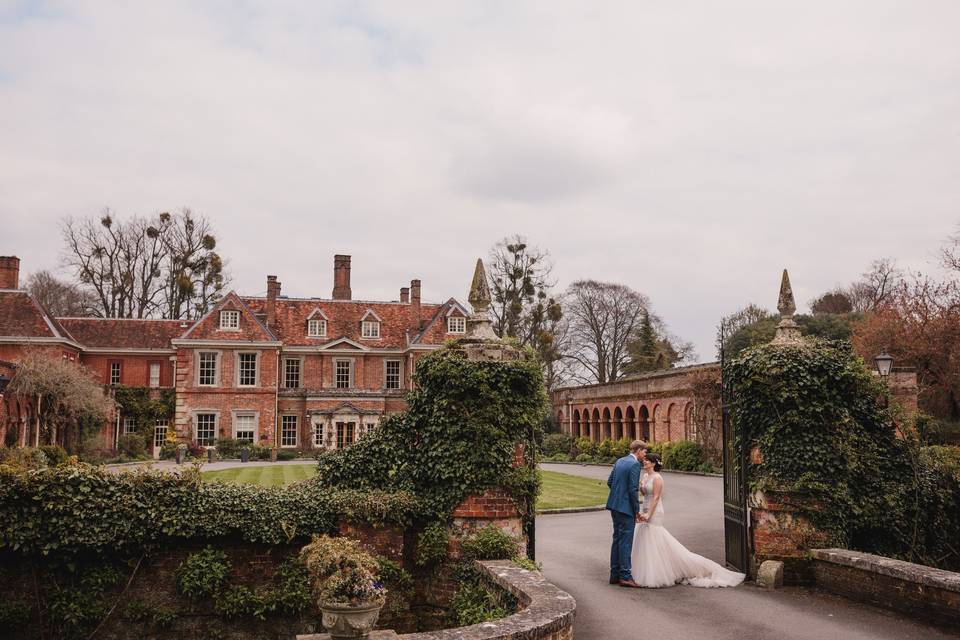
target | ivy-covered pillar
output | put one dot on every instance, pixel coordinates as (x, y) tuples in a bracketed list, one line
[(820, 442)]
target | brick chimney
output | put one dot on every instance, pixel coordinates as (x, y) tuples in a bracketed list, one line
[(405, 295), (9, 272), (415, 303), (341, 278), (273, 292)]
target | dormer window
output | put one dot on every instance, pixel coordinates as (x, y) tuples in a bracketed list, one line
[(316, 328), (456, 324), (230, 320), (370, 329), (370, 326)]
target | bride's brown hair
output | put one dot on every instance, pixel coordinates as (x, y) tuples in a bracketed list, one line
[(655, 459)]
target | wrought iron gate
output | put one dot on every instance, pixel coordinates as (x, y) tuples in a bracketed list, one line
[(736, 518)]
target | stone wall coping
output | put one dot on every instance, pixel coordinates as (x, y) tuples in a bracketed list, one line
[(546, 608), (899, 569)]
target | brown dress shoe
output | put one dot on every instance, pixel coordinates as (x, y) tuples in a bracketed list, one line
[(630, 583)]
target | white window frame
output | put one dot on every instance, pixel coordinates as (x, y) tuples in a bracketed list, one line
[(216, 368), (115, 379), (256, 368), (350, 365), (154, 383), (299, 362), (317, 328), (284, 420), (370, 330), (255, 416), (129, 425), (386, 373), (317, 433), (347, 424), (196, 425), (162, 424), (461, 322), (228, 324)]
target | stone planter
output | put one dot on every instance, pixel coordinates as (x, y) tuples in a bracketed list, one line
[(346, 621)]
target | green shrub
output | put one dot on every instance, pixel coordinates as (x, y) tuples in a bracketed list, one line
[(56, 455), (489, 543), (168, 450), (709, 466), (132, 445), (585, 447), (526, 563), (398, 580), (202, 573), (291, 595), (239, 601), (473, 604), (432, 544), (584, 457), (683, 455), (557, 444), (23, 458), (227, 448), (79, 509), (164, 617), (341, 572), (558, 457), (286, 454), (137, 611)]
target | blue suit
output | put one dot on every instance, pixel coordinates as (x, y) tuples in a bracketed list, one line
[(623, 503)]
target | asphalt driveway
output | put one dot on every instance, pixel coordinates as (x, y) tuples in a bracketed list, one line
[(574, 549)]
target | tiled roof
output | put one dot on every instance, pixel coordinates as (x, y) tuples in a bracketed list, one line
[(123, 333), (251, 329), (343, 321), (22, 316)]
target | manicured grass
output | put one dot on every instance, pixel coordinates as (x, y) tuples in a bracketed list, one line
[(559, 489), (275, 475), (564, 491)]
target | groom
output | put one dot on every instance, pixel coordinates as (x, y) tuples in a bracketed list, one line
[(624, 506)]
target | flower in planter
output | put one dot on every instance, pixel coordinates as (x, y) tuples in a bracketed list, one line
[(341, 572)]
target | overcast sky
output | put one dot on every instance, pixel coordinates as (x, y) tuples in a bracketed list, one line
[(690, 150)]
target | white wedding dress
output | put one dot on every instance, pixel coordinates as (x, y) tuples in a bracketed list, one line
[(659, 560)]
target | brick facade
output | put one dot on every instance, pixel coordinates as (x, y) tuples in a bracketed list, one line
[(351, 361), (660, 406)]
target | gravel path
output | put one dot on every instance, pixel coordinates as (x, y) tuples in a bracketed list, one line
[(575, 550)]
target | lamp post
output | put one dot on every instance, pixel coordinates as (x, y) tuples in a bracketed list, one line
[(884, 363)]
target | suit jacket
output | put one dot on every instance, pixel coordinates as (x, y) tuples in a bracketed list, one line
[(624, 482)]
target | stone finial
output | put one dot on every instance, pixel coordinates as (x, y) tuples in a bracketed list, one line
[(786, 306), (788, 331), (479, 326)]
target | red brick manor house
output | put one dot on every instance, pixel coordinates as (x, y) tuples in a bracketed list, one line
[(273, 370)]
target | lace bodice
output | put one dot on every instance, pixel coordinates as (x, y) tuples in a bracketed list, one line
[(646, 489)]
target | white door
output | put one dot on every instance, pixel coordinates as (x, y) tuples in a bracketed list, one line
[(159, 436)]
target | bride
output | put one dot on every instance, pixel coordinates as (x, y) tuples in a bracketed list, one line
[(658, 559)]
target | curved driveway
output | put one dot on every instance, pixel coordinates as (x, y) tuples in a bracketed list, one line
[(575, 552)]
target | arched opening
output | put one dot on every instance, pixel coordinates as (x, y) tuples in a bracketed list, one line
[(644, 424), (562, 427), (672, 422), (688, 427), (606, 423), (617, 424), (595, 430), (631, 423), (575, 424)]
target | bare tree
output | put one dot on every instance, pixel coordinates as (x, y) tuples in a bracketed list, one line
[(950, 252), (601, 318), (60, 298), (64, 394), (142, 267), (874, 286)]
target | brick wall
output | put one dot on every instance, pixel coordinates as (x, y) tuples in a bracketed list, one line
[(921, 592)]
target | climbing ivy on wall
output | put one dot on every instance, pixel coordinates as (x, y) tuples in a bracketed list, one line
[(827, 440), (457, 436), (136, 402)]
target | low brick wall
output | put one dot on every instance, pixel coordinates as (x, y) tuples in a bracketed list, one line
[(546, 611), (922, 592)]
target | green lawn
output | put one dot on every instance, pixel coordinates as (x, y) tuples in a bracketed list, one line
[(275, 475), (559, 489), (563, 491)]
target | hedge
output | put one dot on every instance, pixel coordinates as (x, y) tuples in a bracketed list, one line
[(81, 508)]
